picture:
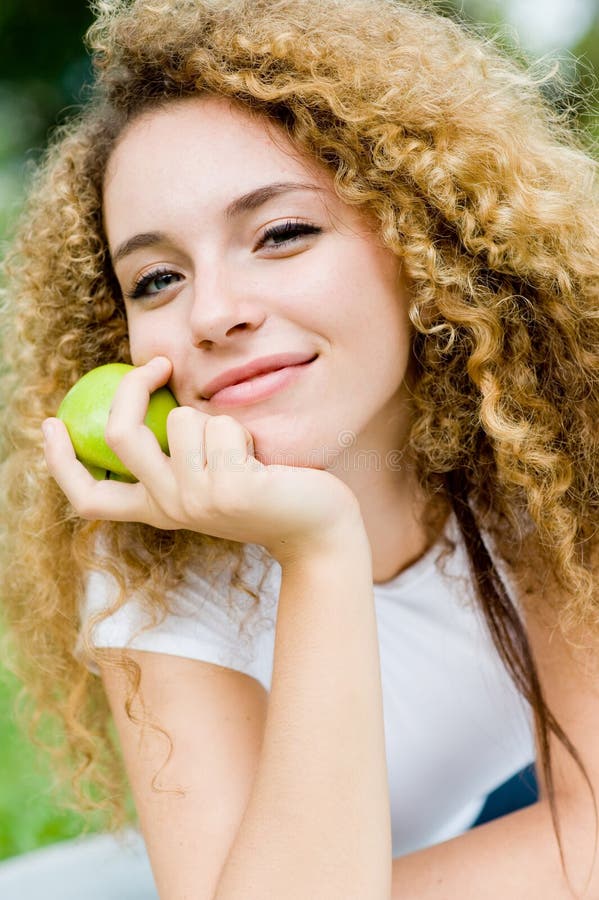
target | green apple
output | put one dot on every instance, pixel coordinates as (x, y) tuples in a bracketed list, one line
[(85, 409)]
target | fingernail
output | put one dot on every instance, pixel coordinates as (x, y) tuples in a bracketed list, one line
[(47, 427)]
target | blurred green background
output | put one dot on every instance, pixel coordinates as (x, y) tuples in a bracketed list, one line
[(43, 72)]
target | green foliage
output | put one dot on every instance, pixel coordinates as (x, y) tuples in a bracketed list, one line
[(30, 811), (39, 39), (44, 68), (43, 62)]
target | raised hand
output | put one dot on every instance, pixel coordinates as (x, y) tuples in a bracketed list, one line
[(211, 483)]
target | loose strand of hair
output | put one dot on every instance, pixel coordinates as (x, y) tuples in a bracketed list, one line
[(511, 641)]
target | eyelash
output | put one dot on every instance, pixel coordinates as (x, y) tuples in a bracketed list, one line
[(139, 288), (286, 230)]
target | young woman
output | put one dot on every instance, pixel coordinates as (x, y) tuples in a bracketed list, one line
[(360, 591)]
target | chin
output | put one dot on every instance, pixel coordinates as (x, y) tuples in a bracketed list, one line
[(300, 457), (297, 462), (277, 444)]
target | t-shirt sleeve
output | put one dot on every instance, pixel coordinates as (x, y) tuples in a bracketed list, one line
[(203, 622)]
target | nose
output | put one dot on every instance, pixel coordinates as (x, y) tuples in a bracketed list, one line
[(220, 309)]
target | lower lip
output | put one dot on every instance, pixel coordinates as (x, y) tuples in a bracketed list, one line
[(258, 388)]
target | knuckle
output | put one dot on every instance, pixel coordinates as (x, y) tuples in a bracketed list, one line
[(114, 434), (192, 506), (86, 509), (179, 412), (167, 508), (195, 513), (174, 415), (222, 421)]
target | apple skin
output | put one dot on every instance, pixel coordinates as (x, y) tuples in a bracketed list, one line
[(85, 409)]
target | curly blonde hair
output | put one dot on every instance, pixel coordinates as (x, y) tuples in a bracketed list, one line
[(479, 186)]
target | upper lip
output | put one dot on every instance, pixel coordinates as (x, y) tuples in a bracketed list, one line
[(253, 368)]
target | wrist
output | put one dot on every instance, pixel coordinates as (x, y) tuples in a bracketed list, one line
[(345, 539)]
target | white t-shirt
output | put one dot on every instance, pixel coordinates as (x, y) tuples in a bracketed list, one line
[(455, 725)]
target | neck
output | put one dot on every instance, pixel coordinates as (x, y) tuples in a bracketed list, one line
[(392, 507)]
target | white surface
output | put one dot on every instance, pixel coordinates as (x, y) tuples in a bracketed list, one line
[(545, 25), (542, 26), (94, 867)]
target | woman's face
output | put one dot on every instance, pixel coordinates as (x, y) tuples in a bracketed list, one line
[(205, 286)]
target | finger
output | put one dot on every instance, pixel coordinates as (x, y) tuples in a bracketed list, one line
[(128, 436), (249, 442), (91, 499), (185, 432), (185, 428), (226, 444), (251, 462)]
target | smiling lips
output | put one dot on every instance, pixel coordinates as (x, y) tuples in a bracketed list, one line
[(241, 375), (256, 380)]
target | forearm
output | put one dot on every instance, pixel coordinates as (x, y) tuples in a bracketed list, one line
[(515, 856), (318, 820)]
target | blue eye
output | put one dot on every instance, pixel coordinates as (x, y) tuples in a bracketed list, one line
[(153, 283), (289, 231)]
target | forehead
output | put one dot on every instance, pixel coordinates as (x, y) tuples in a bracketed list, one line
[(210, 135)]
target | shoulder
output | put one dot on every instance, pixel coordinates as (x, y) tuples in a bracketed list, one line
[(222, 613)]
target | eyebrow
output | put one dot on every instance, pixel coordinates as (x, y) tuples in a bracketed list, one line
[(245, 203)]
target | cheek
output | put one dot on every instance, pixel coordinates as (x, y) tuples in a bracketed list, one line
[(140, 347), (152, 336), (148, 340)]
